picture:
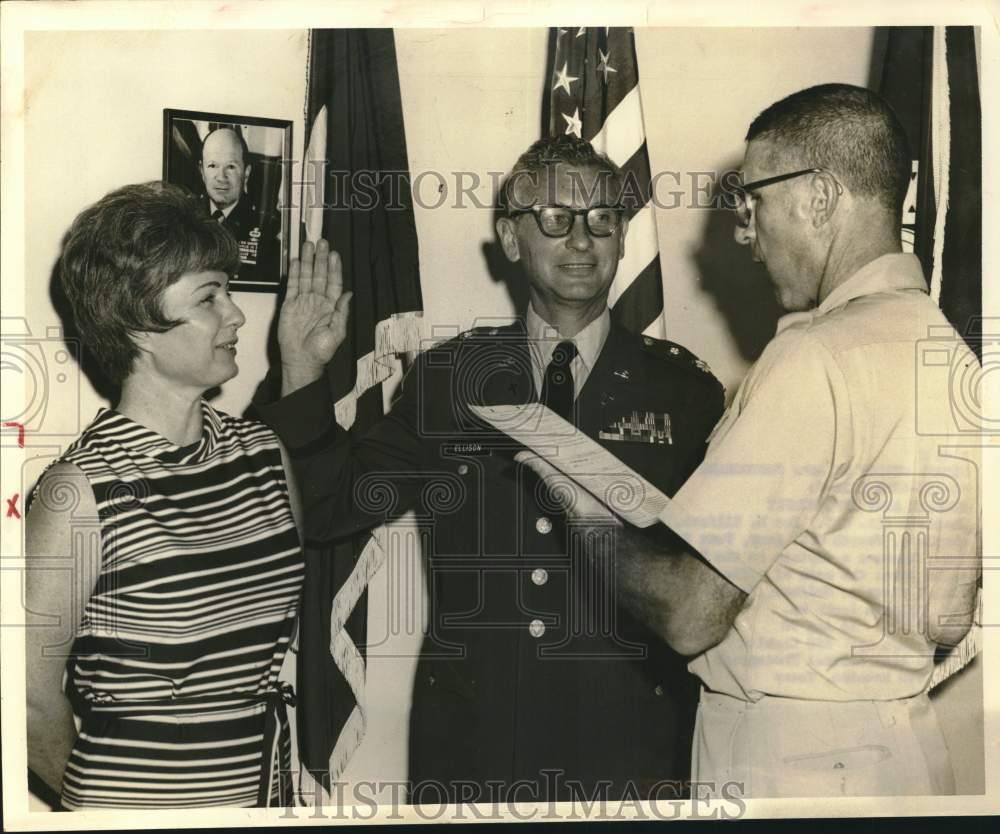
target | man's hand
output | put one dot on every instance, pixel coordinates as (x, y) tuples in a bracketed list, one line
[(659, 577), (578, 504), (312, 323)]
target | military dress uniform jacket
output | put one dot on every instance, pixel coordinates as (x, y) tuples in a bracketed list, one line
[(260, 251), (530, 669)]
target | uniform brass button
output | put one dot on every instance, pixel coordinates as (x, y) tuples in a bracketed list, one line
[(657, 690), (539, 576), (463, 469), (543, 525), (536, 628), (430, 680)]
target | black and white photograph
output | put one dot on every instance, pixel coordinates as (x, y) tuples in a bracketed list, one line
[(236, 165), (469, 413)]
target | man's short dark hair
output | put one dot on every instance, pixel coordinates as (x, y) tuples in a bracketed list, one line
[(120, 255), (244, 148), (850, 131), (553, 150)]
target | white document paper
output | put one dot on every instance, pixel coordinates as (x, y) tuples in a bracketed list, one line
[(580, 458)]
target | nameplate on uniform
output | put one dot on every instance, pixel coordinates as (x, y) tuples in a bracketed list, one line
[(639, 427), (467, 449)]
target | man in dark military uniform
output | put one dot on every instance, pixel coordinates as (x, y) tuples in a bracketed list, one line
[(225, 171), (532, 684)]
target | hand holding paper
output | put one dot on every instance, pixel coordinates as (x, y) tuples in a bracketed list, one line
[(577, 503), (562, 453)]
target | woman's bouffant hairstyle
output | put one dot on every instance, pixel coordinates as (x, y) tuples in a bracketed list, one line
[(120, 255)]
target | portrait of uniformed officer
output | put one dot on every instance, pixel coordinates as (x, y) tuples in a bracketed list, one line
[(528, 671), (225, 171)]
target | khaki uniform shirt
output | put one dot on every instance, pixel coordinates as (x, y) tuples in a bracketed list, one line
[(832, 486)]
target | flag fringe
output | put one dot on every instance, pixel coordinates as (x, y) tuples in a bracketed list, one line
[(961, 655), (311, 790), (400, 333)]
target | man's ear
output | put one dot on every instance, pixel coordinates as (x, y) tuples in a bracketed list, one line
[(507, 232), (621, 238), (246, 177), (824, 198)]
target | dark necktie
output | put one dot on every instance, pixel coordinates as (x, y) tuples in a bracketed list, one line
[(218, 215), (557, 389)]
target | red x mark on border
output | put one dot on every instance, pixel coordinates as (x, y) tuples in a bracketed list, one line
[(20, 432), (12, 506)]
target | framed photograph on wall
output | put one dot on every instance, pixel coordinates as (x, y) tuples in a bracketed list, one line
[(236, 165)]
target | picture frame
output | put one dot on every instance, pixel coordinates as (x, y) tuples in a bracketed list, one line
[(250, 196)]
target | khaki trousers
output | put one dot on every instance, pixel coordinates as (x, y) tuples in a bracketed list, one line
[(783, 747)]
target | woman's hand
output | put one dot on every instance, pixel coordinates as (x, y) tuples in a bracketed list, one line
[(312, 323)]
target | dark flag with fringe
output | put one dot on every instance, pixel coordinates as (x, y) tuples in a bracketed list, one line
[(930, 78), (356, 195)]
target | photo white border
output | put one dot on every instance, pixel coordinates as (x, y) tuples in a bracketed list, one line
[(17, 18)]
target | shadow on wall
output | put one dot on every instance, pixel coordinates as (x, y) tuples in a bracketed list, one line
[(739, 288), (503, 271)]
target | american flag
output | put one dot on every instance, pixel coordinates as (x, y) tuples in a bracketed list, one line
[(593, 93), (354, 124)]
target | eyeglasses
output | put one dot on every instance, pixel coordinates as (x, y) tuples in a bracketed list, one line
[(557, 221), (744, 199)]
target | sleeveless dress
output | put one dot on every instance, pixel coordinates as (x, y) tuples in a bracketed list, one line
[(174, 672)]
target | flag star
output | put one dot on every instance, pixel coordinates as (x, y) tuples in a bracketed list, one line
[(564, 79), (581, 32), (604, 66), (573, 124)]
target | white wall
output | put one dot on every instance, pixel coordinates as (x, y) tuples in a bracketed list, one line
[(95, 121), (472, 102)]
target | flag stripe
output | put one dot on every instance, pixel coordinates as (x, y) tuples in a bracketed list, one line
[(641, 295), (636, 194), (640, 253), (622, 133)]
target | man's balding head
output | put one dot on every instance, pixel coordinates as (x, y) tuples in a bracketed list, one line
[(224, 168)]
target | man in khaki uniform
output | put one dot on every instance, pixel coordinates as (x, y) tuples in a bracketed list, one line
[(828, 544)]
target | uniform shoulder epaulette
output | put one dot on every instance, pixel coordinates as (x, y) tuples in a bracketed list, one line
[(488, 331), (677, 354)]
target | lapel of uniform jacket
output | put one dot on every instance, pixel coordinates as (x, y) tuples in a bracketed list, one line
[(504, 366), (615, 378)]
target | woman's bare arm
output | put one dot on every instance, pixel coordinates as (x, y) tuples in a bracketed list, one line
[(61, 571)]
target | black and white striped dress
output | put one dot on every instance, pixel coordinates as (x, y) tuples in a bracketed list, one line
[(174, 672)]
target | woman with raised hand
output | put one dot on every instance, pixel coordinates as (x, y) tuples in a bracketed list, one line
[(164, 565)]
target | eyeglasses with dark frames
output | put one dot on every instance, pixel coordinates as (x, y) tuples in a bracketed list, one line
[(744, 199), (557, 221)]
